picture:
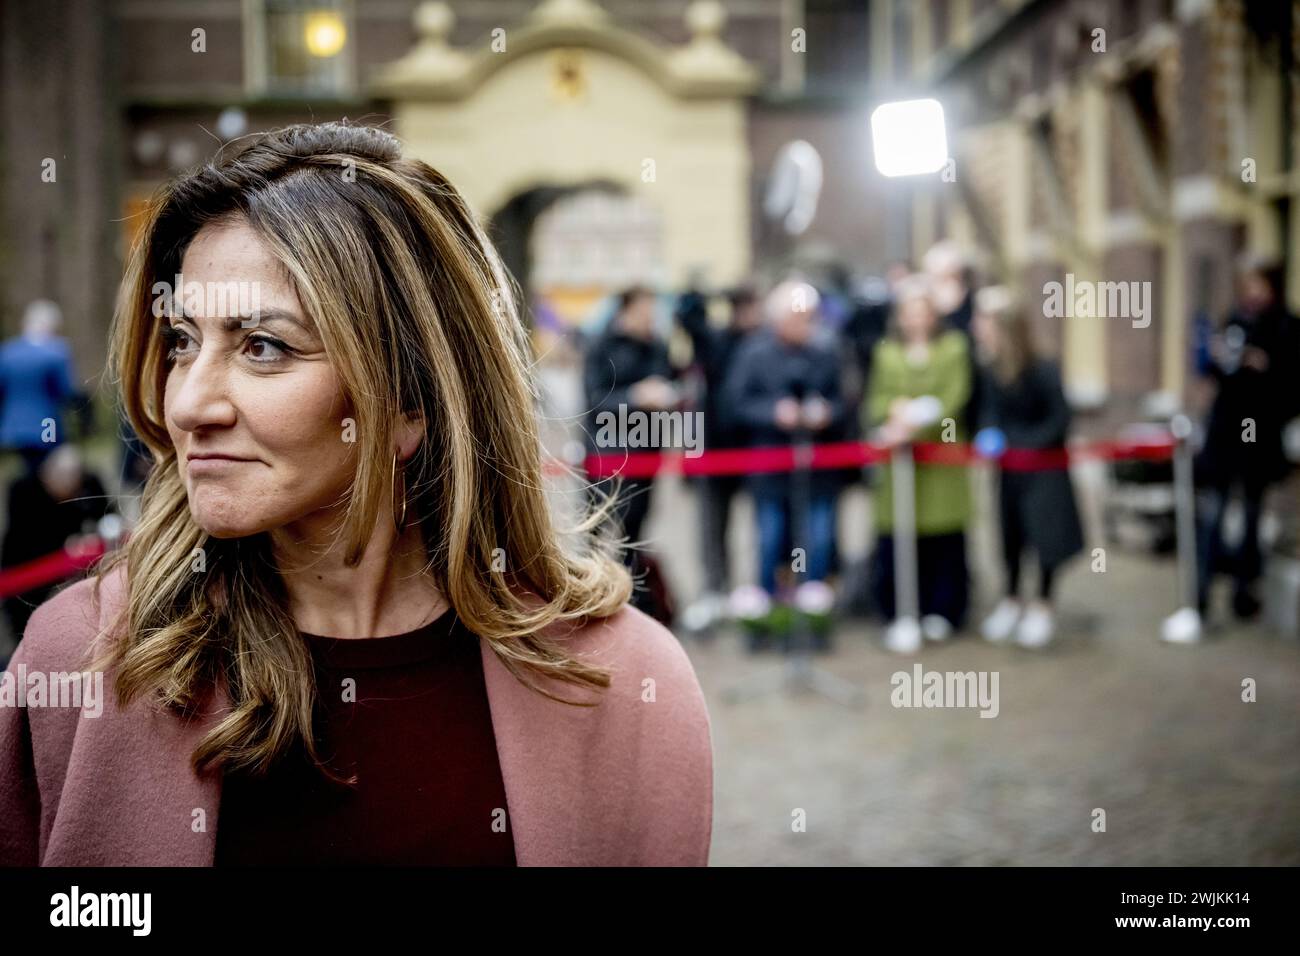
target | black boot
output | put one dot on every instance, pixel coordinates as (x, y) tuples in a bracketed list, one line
[(1244, 604)]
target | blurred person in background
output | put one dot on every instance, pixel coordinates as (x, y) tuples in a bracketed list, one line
[(869, 320), (920, 376), (952, 284), (715, 353), (836, 292), (785, 383), (628, 365), (1023, 406), (1254, 360), (60, 500), (36, 383)]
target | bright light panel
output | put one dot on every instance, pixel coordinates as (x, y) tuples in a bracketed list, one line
[(325, 33), (908, 137)]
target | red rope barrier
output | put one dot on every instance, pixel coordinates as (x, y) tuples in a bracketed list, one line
[(50, 569), (63, 564), (780, 458)]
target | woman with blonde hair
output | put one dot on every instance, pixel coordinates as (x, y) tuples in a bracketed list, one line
[(1023, 407), (346, 628)]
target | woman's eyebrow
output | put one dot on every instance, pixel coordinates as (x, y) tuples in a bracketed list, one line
[(260, 316), (253, 319)]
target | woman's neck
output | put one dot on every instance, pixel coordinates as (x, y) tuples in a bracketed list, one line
[(387, 592)]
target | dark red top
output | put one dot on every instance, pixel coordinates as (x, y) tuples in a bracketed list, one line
[(419, 738)]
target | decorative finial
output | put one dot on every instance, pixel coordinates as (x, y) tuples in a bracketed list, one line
[(704, 61), (433, 22), (705, 19)]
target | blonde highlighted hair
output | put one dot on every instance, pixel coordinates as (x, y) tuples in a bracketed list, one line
[(418, 318)]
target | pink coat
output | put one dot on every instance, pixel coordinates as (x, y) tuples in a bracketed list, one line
[(626, 783)]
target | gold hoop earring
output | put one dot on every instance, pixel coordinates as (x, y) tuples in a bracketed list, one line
[(398, 523)]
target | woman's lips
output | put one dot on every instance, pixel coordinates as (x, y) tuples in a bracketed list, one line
[(210, 466)]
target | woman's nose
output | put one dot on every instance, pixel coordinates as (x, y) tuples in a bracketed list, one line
[(202, 396)]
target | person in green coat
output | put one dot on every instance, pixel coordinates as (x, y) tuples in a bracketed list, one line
[(920, 383)]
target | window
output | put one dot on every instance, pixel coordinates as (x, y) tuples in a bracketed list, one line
[(300, 47)]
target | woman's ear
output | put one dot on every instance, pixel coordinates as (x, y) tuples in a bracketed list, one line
[(409, 436)]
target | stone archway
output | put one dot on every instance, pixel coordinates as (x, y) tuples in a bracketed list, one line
[(511, 228), (569, 98), (571, 246)]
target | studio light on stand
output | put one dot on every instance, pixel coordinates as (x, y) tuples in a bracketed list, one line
[(908, 137)]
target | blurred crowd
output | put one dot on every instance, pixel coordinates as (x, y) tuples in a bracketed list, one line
[(53, 499), (921, 356)]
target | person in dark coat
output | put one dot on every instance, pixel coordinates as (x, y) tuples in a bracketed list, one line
[(60, 500), (1023, 406), (867, 324), (715, 352), (628, 366), (1255, 361), (784, 384)]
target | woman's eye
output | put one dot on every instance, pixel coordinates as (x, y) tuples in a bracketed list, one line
[(277, 349), (262, 350), (176, 341)]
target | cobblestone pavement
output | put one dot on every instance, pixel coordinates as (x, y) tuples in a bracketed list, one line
[(1109, 717)]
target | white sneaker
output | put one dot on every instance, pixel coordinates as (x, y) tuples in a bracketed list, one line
[(814, 597), (1182, 627), (704, 612), (999, 625), (749, 602), (936, 627), (903, 636), (1036, 627)]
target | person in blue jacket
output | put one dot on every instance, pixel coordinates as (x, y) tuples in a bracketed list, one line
[(36, 383), (783, 385)]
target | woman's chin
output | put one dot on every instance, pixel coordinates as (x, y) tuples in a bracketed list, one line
[(224, 534), (222, 528)]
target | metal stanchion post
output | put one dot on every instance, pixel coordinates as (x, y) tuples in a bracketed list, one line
[(906, 586), (904, 633), (798, 672), (1184, 626)]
